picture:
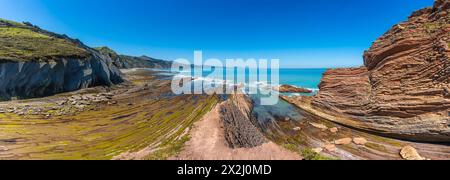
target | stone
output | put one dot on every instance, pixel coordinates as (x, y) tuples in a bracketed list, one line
[(76, 97), (410, 153), (112, 102), (334, 130), (330, 147), (297, 129), (80, 106), (319, 126), (344, 141), (317, 150), (360, 141)]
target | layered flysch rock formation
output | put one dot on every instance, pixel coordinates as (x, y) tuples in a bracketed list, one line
[(36, 63), (404, 88), (128, 62), (237, 119)]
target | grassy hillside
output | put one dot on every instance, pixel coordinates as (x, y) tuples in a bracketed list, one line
[(126, 62), (20, 42)]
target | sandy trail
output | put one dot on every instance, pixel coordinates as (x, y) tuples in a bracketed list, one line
[(208, 143)]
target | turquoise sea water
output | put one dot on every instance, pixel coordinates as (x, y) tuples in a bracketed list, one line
[(306, 78)]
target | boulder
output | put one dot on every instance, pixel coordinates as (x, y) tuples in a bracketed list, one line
[(330, 147), (334, 130), (360, 141), (410, 153), (344, 141)]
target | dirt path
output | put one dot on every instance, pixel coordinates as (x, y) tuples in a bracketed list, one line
[(208, 143)]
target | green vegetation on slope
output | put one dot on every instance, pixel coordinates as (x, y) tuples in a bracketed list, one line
[(19, 42), (127, 62), (107, 51)]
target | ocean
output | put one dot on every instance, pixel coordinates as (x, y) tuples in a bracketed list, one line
[(305, 78)]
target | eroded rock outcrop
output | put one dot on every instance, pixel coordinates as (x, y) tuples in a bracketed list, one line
[(403, 90), (236, 116), (293, 89)]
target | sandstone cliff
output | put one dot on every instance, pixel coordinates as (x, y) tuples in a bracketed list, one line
[(36, 63), (128, 62), (404, 89)]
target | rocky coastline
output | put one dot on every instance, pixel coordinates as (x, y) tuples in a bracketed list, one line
[(37, 63)]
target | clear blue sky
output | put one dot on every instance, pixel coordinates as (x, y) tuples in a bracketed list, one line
[(302, 33)]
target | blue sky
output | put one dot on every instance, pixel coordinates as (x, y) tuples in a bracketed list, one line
[(301, 33)]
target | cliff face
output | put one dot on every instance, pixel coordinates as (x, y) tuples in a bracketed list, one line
[(36, 63), (404, 88), (128, 62)]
